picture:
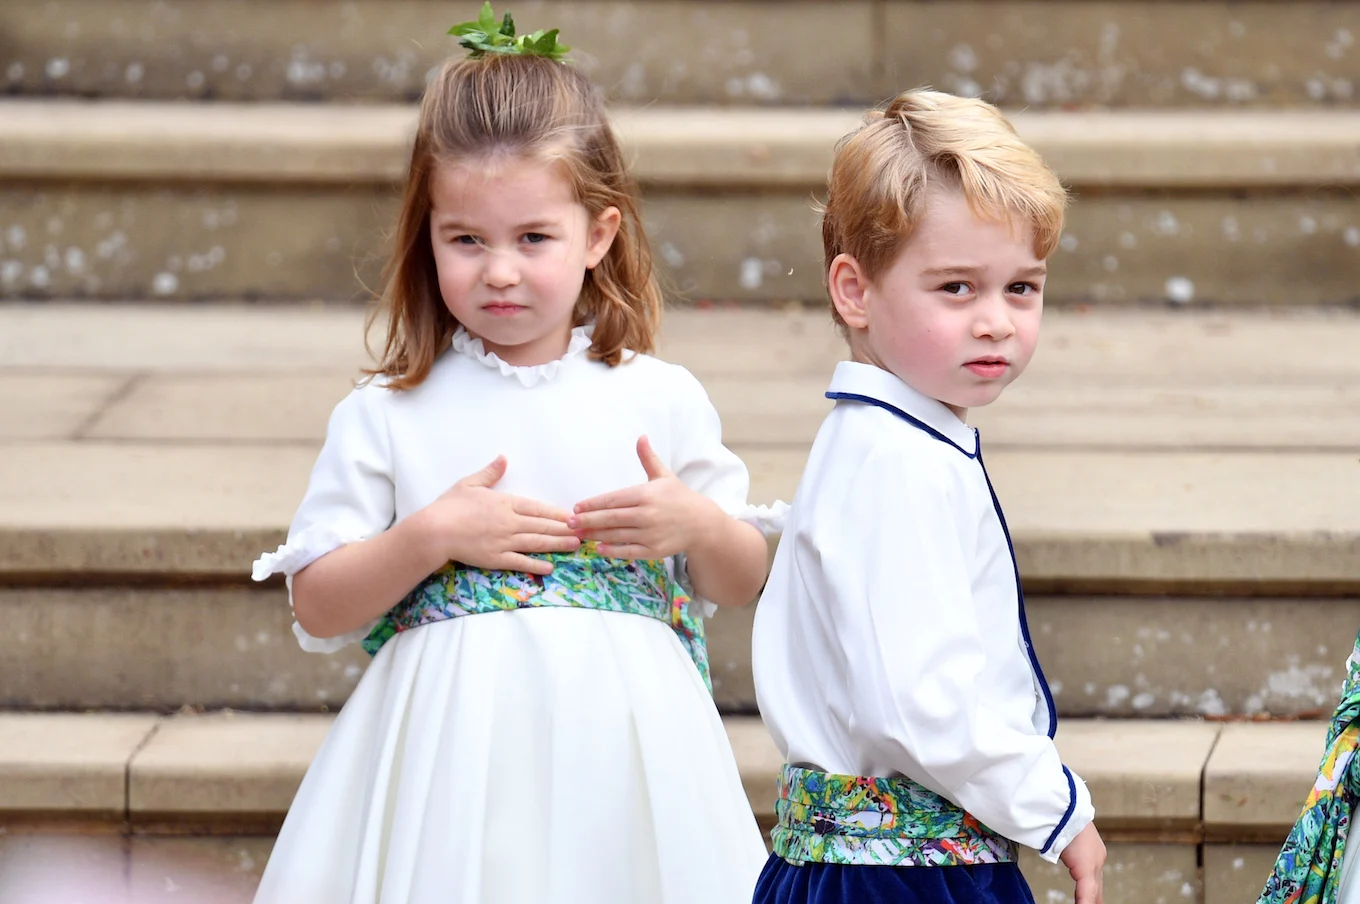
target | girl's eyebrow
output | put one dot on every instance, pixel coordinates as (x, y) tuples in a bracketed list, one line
[(459, 226)]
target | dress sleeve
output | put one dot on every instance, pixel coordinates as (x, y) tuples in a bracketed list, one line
[(350, 497), (902, 609), (701, 461)]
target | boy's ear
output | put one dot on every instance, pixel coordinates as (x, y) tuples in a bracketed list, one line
[(849, 287), (603, 229)]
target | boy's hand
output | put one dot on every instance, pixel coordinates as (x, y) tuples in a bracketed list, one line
[(1085, 861), (473, 524), (652, 520)]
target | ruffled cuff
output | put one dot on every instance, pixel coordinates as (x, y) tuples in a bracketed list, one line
[(768, 519), (312, 644), (309, 545)]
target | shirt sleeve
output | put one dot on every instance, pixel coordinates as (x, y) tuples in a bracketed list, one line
[(703, 463), (350, 497), (893, 569)]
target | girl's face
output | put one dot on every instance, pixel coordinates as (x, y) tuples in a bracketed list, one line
[(512, 246)]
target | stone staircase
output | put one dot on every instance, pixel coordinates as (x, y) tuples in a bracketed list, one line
[(1179, 466)]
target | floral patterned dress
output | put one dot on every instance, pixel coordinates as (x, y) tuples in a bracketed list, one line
[(1309, 868)]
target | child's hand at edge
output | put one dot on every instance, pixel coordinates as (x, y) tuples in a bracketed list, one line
[(473, 524), (652, 520), (1084, 858)]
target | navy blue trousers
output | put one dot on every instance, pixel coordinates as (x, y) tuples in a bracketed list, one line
[(834, 883)]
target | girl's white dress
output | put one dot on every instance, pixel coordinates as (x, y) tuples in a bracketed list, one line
[(553, 756)]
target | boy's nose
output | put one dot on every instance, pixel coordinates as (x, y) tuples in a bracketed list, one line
[(994, 322)]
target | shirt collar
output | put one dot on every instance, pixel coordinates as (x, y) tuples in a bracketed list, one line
[(864, 382)]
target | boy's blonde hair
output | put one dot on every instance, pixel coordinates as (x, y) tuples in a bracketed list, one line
[(884, 170), (474, 112)]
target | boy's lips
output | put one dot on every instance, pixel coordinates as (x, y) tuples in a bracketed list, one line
[(989, 366)]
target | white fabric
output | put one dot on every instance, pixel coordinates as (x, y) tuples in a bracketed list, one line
[(888, 639), (544, 755)]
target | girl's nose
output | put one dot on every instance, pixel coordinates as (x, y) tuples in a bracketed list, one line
[(500, 271)]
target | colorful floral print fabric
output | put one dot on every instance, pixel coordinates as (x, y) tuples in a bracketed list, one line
[(1308, 870), (869, 821), (582, 580)]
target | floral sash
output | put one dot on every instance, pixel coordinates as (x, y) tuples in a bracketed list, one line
[(827, 818), (581, 580)]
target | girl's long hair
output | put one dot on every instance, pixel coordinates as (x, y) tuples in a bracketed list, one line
[(534, 108)]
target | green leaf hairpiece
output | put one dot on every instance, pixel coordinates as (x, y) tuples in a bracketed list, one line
[(484, 36)]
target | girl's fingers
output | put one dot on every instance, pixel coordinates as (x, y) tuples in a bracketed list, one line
[(530, 542), (625, 498), (515, 562), (605, 519), (625, 551), (532, 508), (544, 526)]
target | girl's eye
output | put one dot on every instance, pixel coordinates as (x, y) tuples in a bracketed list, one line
[(535, 238), (466, 240)]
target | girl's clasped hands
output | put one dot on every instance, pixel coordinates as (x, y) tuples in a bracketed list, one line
[(474, 524)]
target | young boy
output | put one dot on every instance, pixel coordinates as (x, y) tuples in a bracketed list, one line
[(892, 660)]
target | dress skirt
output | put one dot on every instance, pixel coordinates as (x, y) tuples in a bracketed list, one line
[(837, 883), (539, 756)]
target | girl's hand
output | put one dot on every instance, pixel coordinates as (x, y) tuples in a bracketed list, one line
[(475, 525), (653, 520)]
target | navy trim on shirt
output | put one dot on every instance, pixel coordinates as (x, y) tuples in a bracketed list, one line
[(1020, 596), (918, 424), (1071, 808), (1015, 568)]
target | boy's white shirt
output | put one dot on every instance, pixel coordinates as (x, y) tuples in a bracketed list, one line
[(889, 639)]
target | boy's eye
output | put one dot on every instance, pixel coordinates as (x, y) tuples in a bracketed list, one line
[(954, 288), (1023, 288)]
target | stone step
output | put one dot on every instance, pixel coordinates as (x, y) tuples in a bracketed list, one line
[(103, 646), (1040, 53), (118, 200), (1166, 793), (1181, 487)]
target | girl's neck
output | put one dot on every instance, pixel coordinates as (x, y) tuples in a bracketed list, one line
[(543, 350)]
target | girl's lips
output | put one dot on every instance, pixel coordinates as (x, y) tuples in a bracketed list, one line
[(502, 309), (989, 368)]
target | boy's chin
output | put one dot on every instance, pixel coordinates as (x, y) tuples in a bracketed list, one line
[(978, 397)]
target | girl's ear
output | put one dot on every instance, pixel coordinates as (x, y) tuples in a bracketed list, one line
[(849, 287), (603, 229)]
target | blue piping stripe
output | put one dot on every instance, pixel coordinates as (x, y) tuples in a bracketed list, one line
[(920, 425), (1020, 595), (1019, 591), (1071, 808)]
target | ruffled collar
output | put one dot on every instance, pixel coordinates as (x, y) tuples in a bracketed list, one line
[(529, 375)]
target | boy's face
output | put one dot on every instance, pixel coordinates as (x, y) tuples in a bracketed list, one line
[(956, 315)]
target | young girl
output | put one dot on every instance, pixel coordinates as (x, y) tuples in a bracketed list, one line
[(505, 515)]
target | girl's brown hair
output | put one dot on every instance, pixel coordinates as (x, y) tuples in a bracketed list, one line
[(541, 109)]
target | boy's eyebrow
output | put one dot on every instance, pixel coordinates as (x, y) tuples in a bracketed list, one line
[(1036, 270)]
